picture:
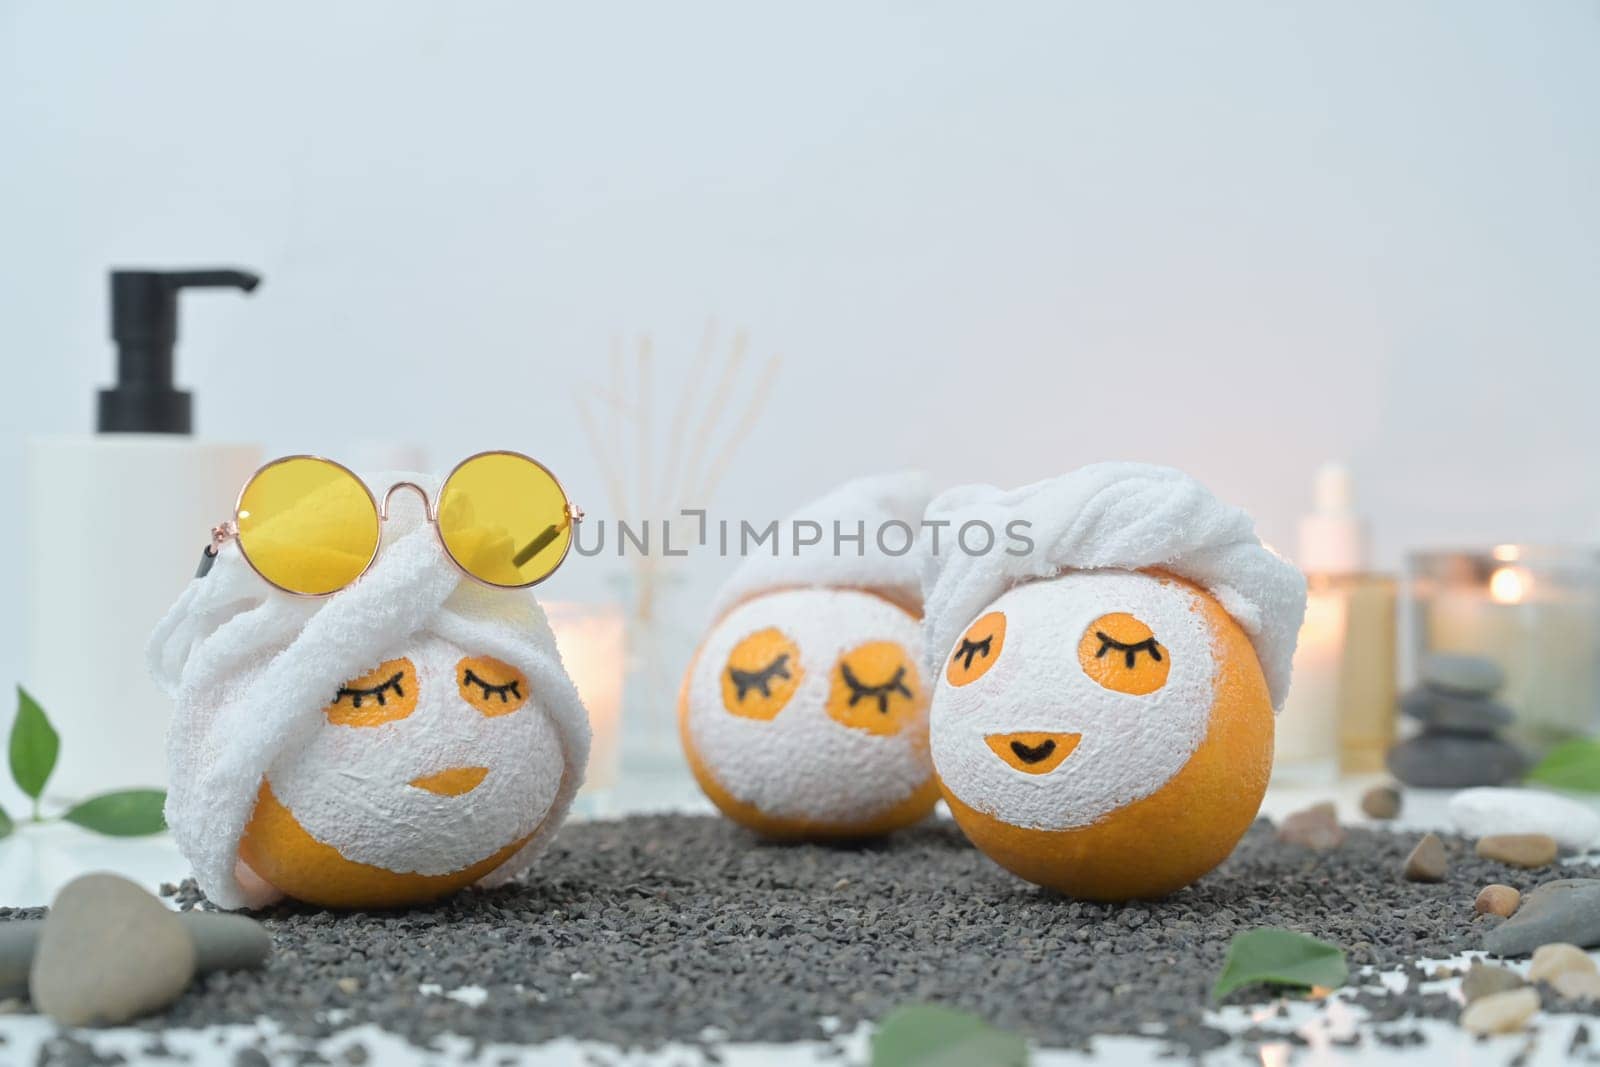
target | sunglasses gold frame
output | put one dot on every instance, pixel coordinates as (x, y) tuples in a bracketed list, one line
[(226, 531)]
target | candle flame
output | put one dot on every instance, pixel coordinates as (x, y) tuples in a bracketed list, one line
[(1507, 553), (1509, 585)]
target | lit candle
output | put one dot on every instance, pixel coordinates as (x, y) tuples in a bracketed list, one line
[(1534, 612), (593, 649)]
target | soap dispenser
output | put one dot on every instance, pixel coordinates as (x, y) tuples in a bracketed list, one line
[(112, 521)]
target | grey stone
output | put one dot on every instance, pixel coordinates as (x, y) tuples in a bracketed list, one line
[(109, 952), (1427, 862), (1316, 827), (226, 942), (221, 943), (1485, 979), (1567, 909), (1453, 713), (1455, 761), (1381, 802), (1467, 675), (16, 956)]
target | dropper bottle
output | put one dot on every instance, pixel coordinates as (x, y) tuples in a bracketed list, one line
[(1339, 717)]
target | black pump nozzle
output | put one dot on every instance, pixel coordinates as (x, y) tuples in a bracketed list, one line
[(144, 325)]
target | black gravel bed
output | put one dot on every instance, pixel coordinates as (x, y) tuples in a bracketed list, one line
[(652, 929)]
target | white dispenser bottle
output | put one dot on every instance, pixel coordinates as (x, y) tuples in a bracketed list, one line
[(115, 523)]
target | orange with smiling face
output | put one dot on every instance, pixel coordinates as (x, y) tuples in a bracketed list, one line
[(1115, 741), (379, 724)]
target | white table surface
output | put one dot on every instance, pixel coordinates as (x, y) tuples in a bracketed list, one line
[(38, 860)]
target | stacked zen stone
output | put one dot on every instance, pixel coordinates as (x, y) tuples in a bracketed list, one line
[(1458, 746)]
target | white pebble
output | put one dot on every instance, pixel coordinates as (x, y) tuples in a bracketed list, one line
[(1500, 1013), (1558, 958), (1481, 812), (1578, 985)]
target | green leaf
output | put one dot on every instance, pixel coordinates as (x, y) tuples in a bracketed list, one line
[(925, 1035), (1571, 765), (125, 814), (34, 745), (6, 825), (1270, 956)]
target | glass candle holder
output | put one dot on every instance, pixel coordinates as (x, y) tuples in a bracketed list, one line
[(592, 641), (1534, 611)]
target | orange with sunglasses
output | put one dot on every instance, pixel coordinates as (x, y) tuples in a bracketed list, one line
[(310, 527)]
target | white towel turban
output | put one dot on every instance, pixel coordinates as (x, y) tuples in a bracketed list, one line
[(885, 509), (1125, 516), (296, 652)]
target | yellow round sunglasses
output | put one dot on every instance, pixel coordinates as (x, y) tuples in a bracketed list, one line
[(310, 527)]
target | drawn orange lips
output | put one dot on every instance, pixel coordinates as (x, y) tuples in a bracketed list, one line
[(454, 782), (1033, 753)]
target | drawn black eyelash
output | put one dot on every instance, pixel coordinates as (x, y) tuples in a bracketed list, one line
[(490, 689), (861, 691), (1130, 652), (358, 695), (744, 681), (970, 648)]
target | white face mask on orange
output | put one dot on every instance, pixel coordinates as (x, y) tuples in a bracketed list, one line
[(404, 738), (1103, 718), (805, 711), (805, 715)]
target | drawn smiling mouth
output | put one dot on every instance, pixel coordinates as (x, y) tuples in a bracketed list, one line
[(1033, 753)]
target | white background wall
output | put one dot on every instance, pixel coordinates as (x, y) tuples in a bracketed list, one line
[(992, 240)]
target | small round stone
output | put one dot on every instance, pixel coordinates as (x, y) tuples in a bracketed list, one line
[(1496, 899), (1500, 1013), (109, 952), (1316, 827), (1427, 862), (1519, 850), (1577, 985), (1557, 959), (1468, 675), (1484, 979), (1381, 802)]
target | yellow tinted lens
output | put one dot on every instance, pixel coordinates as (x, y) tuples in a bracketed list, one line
[(308, 525), (504, 519)]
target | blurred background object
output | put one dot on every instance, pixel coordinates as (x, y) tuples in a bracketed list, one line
[(992, 243), (1532, 612)]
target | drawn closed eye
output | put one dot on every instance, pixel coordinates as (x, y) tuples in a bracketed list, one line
[(762, 673), (384, 694), (504, 692), (1130, 652), (980, 647), (380, 692), (1122, 654), (745, 681), (859, 690), (969, 648), (494, 687), (858, 700)]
